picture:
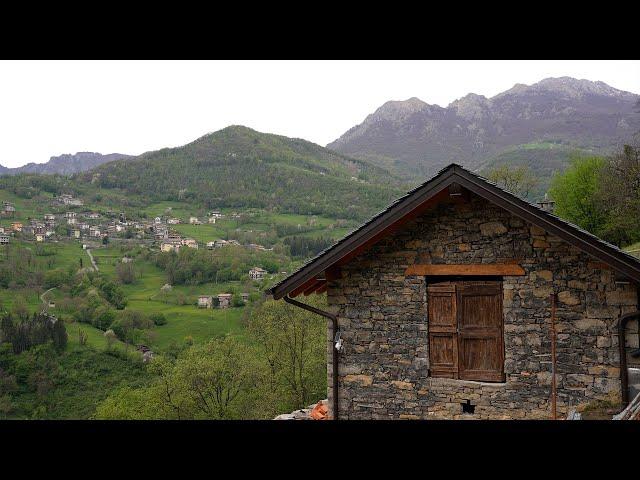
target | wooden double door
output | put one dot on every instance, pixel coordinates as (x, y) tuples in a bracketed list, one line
[(465, 325)]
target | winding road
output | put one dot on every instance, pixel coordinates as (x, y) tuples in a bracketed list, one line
[(93, 262)]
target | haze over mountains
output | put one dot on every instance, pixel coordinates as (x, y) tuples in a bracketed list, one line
[(66, 164), (540, 125)]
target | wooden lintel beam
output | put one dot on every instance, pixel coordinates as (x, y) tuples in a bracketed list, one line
[(496, 269), (323, 288), (598, 266)]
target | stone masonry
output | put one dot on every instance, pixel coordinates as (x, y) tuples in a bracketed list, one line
[(383, 318)]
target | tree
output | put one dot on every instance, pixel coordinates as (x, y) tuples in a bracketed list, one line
[(575, 193), (126, 272), (59, 335), (292, 343), (114, 294), (20, 309), (619, 194), (215, 380), (111, 337), (236, 300), (518, 180), (158, 318), (129, 325)]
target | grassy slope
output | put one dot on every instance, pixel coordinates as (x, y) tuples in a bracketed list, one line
[(182, 320)]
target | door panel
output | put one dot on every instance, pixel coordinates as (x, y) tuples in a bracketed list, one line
[(443, 338), (480, 331)]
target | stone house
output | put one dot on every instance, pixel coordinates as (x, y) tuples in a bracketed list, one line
[(8, 208), (449, 303), (4, 239), (224, 300), (257, 273), (205, 301)]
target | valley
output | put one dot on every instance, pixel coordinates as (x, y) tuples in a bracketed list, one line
[(156, 260)]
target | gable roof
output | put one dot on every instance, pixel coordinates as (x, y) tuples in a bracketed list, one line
[(312, 276)]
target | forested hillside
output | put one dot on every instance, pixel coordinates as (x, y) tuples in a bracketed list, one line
[(239, 167)]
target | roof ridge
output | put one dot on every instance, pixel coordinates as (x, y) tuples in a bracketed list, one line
[(460, 171)]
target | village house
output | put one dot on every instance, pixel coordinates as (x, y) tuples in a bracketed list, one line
[(16, 226), (2, 229), (171, 245), (216, 214), (205, 301), (257, 273), (49, 217), (76, 233), (38, 227), (194, 221), (92, 215), (211, 245), (460, 300), (95, 232), (161, 234), (245, 297), (82, 226), (157, 220), (173, 221), (67, 199), (8, 208), (4, 239), (211, 219), (190, 242), (224, 300), (40, 237)]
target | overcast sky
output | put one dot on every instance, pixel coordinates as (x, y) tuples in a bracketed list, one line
[(54, 107)]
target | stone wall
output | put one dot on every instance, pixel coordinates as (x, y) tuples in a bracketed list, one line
[(383, 318)]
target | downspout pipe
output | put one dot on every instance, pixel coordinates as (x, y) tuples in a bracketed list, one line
[(334, 352), (624, 373)]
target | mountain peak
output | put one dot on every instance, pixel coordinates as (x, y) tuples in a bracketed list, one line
[(416, 139), (397, 110), (471, 106), (569, 87)]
